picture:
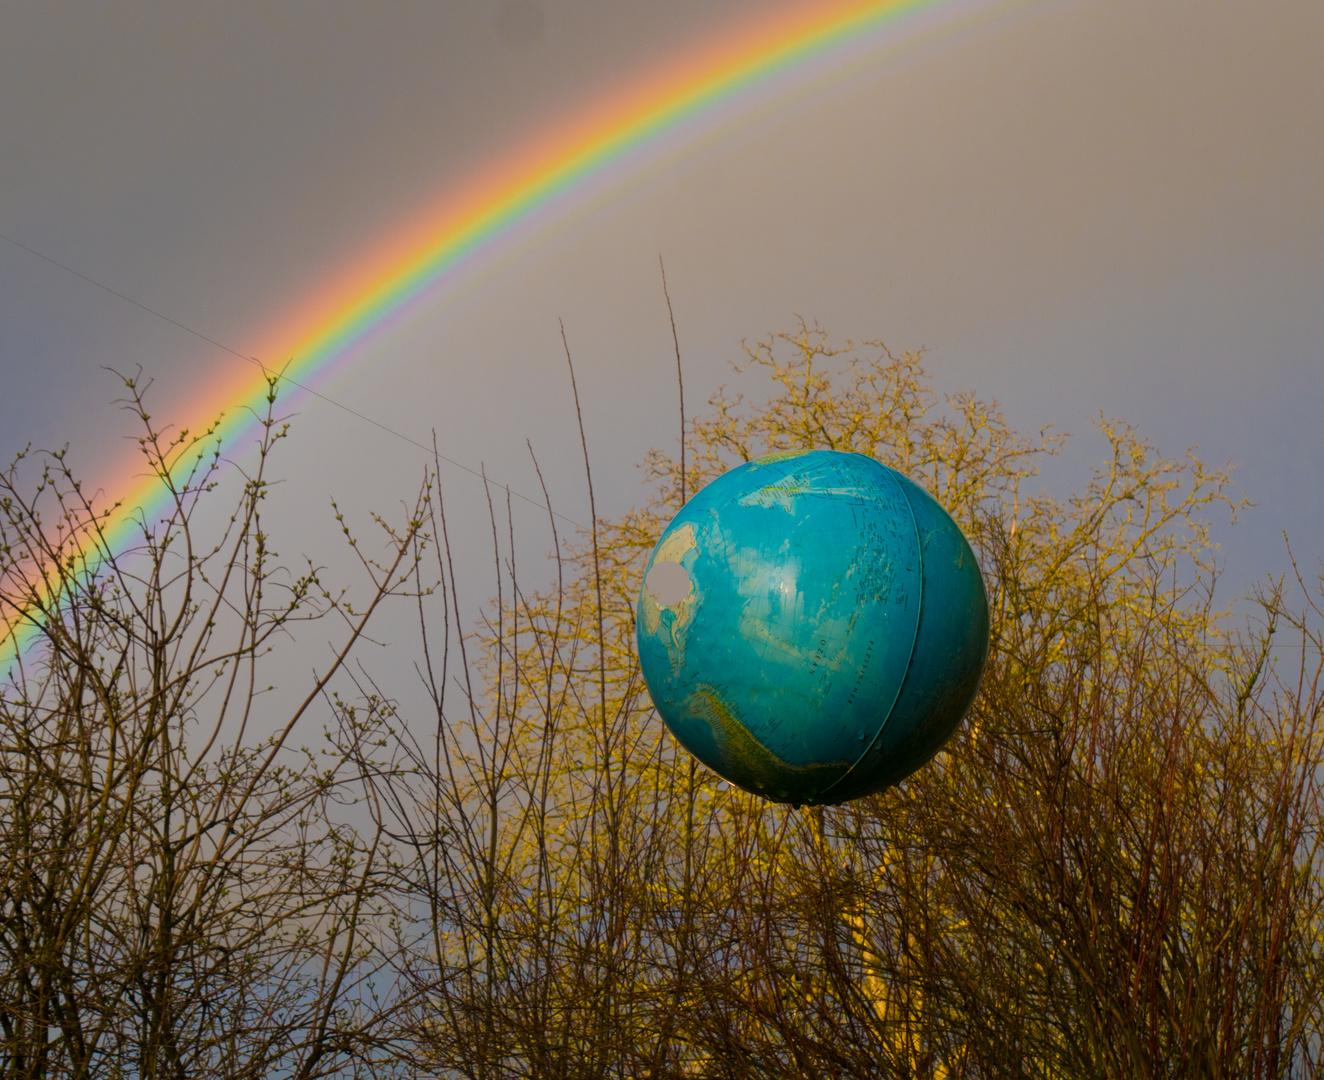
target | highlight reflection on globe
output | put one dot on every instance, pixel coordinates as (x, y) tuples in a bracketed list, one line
[(812, 626)]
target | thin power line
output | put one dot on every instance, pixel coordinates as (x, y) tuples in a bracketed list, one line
[(285, 378)]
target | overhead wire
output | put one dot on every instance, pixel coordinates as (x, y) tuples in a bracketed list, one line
[(280, 375)]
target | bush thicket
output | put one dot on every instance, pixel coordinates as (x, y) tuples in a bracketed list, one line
[(1113, 870)]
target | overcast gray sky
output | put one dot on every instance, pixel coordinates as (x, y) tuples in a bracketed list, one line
[(1076, 205)]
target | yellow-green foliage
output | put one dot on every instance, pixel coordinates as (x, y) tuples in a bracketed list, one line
[(1112, 871)]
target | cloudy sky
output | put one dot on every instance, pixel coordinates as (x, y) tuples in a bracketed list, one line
[(1076, 205)]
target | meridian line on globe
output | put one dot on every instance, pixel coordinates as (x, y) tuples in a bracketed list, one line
[(914, 637)]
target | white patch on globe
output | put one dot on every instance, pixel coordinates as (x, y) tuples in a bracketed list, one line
[(668, 583)]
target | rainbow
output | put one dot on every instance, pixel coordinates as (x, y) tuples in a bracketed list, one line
[(518, 193)]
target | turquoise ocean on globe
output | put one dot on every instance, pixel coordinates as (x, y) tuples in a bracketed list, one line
[(812, 626)]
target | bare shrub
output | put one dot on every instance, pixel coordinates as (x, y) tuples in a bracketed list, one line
[(178, 896)]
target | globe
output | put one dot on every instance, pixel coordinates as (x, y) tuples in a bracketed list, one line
[(812, 626)]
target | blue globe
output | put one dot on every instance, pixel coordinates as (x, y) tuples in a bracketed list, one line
[(812, 626)]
